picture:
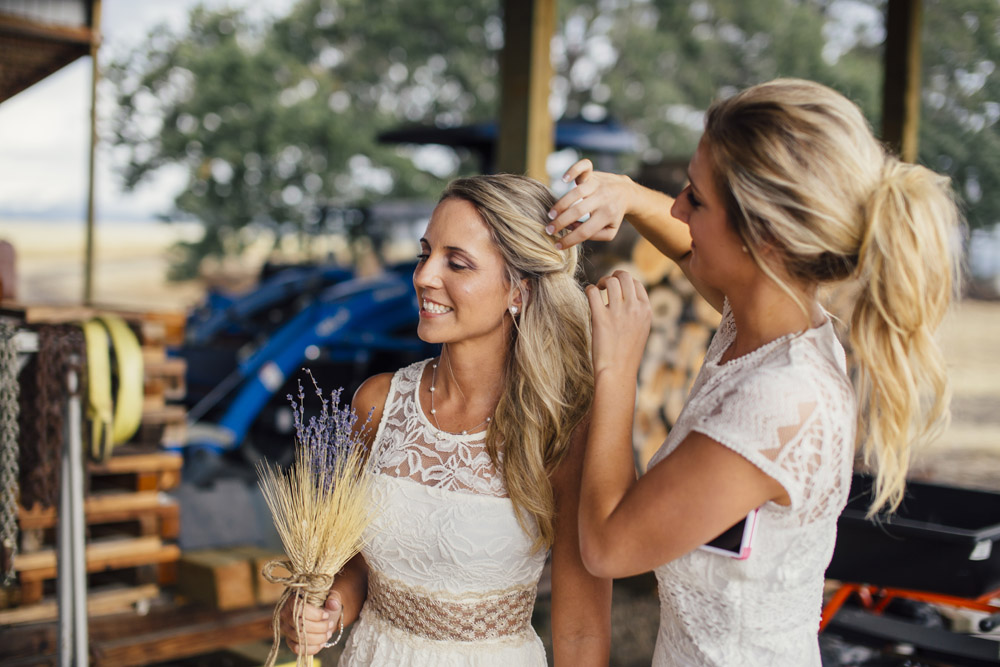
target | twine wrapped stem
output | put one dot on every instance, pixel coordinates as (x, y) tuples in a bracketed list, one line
[(308, 588)]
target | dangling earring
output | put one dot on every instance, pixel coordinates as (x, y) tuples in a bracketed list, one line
[(513, 310)]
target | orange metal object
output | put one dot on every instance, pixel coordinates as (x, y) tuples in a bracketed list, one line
[(988, 602)]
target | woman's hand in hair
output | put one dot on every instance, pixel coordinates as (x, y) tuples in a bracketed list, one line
[(594, 209), (621, 325)]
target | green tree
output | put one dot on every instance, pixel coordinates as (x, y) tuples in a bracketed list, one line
[(276, 122), (961, 101)]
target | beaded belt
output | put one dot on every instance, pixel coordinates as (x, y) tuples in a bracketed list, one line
[(487, 616)]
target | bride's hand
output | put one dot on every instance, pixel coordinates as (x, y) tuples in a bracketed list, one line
[(318, 625), (602, 196)]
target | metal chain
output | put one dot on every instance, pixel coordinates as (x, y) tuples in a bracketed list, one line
[(9, 410), (43, 392)]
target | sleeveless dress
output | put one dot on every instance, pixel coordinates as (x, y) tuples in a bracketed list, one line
[(452, 578), (789, 408)]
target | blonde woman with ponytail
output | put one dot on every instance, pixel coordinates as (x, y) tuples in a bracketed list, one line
[(479, 454), (788, 191)]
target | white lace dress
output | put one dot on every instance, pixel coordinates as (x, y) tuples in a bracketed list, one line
[(452, 577), (789, 408)]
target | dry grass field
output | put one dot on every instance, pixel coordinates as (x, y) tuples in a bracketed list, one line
[(968, 452), (131, 263)]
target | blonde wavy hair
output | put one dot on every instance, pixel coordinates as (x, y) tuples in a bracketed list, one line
[(548, 380), (801, 172)]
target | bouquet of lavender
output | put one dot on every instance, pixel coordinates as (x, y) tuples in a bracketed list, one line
[(320, 507)]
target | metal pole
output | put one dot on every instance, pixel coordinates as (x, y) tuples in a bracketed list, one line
[(64, 573), (71, 581), (77, 522)]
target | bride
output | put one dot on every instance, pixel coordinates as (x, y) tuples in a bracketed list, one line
[(479, 454)]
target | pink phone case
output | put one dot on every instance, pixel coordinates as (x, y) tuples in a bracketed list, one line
[(746, 540)]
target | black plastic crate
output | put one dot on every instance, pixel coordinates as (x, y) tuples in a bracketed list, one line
[(943, 539)]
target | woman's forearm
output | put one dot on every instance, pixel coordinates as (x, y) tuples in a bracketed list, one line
[(649, 214), (352, 584), (608, 468)]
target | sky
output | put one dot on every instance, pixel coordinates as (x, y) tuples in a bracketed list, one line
[(45, 129)]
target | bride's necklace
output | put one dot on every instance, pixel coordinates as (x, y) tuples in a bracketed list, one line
[(434, 370)]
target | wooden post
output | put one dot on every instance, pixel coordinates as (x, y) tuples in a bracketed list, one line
[(901, 88), (95, 43), (526, 132)]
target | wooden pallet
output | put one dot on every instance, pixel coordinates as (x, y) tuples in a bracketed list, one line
[(113, 599), (228, 578), (163, 425), (153, 327), (130, 525), (163, 420), (151, 512), (123, 640), (35, 568), (137, 469)]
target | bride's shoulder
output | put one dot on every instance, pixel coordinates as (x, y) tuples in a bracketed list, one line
[(370, 397)]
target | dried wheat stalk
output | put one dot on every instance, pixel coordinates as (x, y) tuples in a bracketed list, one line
[(321, 506)]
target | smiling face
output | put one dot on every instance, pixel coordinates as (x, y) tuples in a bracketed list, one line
[(461, 280), (717, 255)]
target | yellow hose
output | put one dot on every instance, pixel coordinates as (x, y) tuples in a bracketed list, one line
[(99, 409), (128, 363)]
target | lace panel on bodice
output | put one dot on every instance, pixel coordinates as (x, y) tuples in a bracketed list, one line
[(410, 446)]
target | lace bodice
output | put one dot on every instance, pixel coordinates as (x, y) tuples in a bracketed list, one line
[(409, 446), (788, 408), (452, 575)]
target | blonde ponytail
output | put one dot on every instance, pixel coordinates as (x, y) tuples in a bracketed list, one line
[(800, 172), (906, 272)]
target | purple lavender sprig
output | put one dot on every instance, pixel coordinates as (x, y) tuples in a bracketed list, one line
[(328, 438)]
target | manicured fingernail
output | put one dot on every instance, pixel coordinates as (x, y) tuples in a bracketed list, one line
[(325, 615), (552, 214), (566, 178), (559, 246), (551, 229)]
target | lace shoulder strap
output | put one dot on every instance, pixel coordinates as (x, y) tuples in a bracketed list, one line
[(404, 382)]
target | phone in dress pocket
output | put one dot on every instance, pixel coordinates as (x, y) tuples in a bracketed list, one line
[(737, 540)]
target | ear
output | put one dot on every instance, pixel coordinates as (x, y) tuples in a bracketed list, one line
[(522, 295)]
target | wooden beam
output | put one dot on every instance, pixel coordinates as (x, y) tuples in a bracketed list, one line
[(60, 34), (526, 132), (151, 462), (110, 508), (99, 603), (114, 555), (140, 639), (95, 74), (197, 637), (901, 87)]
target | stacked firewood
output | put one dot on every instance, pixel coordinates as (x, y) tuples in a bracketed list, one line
[(683, 324)]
